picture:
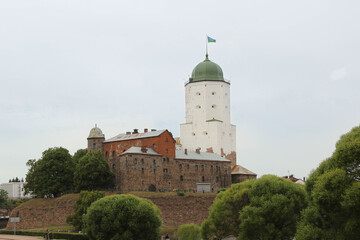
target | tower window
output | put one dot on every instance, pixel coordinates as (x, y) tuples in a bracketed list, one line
[(94, 145), (107, 154)]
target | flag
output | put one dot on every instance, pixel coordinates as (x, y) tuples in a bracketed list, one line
[(211, 39)]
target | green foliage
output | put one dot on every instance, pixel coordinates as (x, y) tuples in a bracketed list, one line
[(122, 217), (52, 175), (93, 173), (223, 218), (267, 208), (81, 206), (188, 232), (3, 198), (334, 191), (179, 193), (78, 155), (53, 235), (11, 204)]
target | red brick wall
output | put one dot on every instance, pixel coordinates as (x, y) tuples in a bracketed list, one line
[(164, 144)]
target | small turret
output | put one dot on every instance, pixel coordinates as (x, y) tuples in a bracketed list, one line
[(95, 140)]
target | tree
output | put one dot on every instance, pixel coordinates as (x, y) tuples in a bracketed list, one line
[(81, 206), (52, 175), (189, 232), (78, 155), (3, 198), (93, 173), (333, 188), (122, 217), (266, 208)]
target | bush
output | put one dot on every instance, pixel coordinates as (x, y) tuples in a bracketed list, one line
[(57, 235), (188, 232), (81, 206), (180, 193), (122, 217)]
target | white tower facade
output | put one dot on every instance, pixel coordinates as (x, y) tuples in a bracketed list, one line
[(207, 100)]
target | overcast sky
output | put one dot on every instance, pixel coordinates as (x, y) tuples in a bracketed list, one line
[(66, 65)]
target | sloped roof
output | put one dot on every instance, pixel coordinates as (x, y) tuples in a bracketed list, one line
[(237, 169), (124, 136), (137, 150), (203, 156)]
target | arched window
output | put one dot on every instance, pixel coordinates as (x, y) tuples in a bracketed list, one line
[(107, 154), (181, 178)]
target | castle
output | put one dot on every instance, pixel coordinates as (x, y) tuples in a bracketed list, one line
[(202, 159)]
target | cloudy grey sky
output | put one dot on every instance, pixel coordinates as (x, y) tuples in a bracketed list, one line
[(66, 65)]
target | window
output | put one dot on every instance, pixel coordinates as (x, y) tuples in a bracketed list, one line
[(196, 167), (114, 166), (154, 162), (154, 170), (198, 106), (142, 161), (113, 154), (180, 167), (142, 170), (167, 159), (135, 160), (217, 179), (187, 166), (165, 170), (217, 169), (225, 172), (213, 93), (193, 134), (205, 133), (154, 145), (198, 93), (211, 168), (202, 168), (94, 145), (107, 154), (164, 159), (213, 106), (166, 150), (181, 178), (203, 178), (166, 140)]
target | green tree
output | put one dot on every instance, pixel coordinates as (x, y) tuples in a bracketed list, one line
[(122, 217), (266, 208), (189, 232), (93, 173), (333, 188), (81, 206), (78, 155), (3, 198), (52, 175)]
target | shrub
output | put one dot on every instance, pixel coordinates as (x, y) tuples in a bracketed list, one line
[(122, 217), (188, 232)]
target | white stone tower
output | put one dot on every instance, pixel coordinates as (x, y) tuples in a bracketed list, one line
[(207, 100)]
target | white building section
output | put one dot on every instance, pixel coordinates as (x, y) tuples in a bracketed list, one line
[(15, 190), (207, 100)]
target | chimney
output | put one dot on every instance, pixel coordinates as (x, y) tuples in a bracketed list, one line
[(145, 130), (128, 133), (143, 149), (198, 150), (185, 151), (153, 130), (136, 131)]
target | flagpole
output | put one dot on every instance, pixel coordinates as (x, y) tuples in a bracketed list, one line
[(206, 45)]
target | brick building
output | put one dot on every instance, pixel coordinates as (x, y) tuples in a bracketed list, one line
[(148, 161)]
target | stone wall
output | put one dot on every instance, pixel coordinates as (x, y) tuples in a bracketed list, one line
[(175, 210), (141, 172)]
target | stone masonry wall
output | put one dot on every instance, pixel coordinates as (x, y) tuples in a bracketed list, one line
[(175, 210)]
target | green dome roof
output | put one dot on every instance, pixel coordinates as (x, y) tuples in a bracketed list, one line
[(96, 133), (207, 71)]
